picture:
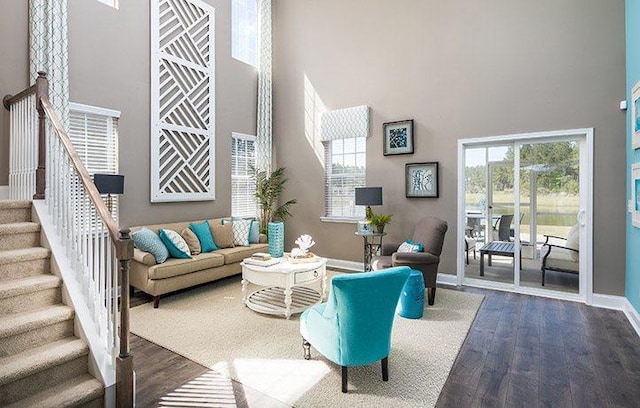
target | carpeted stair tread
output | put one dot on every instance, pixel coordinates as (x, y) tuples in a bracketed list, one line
[(14, 324), (22, 286), (75, 392), (14, 204), (23, 254), (38, 359), (19, 228)]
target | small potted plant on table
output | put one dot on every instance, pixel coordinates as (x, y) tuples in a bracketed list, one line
[(379, 221)]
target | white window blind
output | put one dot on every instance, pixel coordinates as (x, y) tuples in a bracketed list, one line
[(243, 156), (244, 31), (94, 133), (345, 169)]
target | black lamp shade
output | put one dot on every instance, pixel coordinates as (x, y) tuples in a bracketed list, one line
[(369, 196), (109, 183)]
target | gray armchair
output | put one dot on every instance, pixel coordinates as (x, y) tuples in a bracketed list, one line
[(430, 232)]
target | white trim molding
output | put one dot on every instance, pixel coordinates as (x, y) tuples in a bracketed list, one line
[(4, 192), (632, 314), (608, 301)]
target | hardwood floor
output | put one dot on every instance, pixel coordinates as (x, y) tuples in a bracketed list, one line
[(521, 351)]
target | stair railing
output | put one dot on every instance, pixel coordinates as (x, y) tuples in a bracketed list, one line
[(45, 164)]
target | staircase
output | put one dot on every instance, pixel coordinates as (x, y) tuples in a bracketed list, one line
[(42, 363)]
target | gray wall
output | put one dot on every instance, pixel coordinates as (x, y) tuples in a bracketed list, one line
[(14, 67), (110, 67), (460, 69)]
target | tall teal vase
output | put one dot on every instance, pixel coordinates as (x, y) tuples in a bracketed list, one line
[(275, 232)]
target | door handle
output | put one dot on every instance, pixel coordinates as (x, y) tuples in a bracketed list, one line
[(582, 214)]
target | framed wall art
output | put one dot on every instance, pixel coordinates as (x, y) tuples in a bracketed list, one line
[(635, 194), (398, 137), (635, 116), (421, 180)]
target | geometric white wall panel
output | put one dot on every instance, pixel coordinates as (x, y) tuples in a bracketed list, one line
[(182, 101), (345, 123)]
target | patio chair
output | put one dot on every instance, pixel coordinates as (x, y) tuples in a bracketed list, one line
[(502, 228), (353, 328), (563, 255), (469, 244)]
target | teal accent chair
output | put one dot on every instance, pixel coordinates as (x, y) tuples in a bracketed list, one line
[(353, 327)]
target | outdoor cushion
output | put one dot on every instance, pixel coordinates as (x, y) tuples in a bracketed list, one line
[(573, 241), (237, 254), (561, 259), (176, 245), (176, 267), (148, 241), (203, 232), (192, 241)]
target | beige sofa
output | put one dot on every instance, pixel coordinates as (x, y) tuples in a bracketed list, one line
[(175, 274)]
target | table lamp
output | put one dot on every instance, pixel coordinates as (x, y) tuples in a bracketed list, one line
[(109, 184), (369, 196)]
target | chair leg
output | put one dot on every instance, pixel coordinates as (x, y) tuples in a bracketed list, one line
[(467, 251), (431, 295), (385, 369), (156, 302), (307, 349), (543, 277), (474, 254), (344, 379)]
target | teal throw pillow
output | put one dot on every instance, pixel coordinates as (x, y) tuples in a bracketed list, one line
[(254, 232), (176, 245), (410, 246), (203, 232), (418, 244), (148, 241)]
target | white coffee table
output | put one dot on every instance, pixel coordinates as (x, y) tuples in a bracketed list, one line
[(281, 291)]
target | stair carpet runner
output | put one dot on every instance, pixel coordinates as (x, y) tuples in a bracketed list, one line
[(42, 363)]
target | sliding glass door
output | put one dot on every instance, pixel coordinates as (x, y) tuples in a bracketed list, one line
[(524, 213)]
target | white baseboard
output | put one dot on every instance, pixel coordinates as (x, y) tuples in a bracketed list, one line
[(632, 315), (4, 192), (447, 279), (608, 301)]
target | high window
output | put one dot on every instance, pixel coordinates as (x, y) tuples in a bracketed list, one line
[(244, 31), (243, 157), (94, 134), (345, 169)]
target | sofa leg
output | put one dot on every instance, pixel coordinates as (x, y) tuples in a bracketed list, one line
[(344, 379), (156, 302), (132, 291), (431, 295), (307, 349), (385, 369)]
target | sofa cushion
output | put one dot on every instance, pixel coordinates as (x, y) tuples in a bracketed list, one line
[(148, 241), (203, 232), (192, 241), (176, 267), (237, 254), (143, 257), (176, 245), (241, 229), (223, 235)]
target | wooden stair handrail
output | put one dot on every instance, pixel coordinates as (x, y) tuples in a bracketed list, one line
[(9, 100), (92, 191)]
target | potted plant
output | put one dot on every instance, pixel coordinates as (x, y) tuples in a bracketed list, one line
[(269, 187), (380, 220)]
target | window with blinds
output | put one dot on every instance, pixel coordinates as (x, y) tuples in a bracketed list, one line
[(345, 169), (244, 31), (94, 133), (243, 156)]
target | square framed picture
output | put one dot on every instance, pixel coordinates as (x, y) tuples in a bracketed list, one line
[(635, 194), (398, 137), (421, 180), (635, 116)]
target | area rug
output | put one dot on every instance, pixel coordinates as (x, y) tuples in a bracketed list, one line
[(211, 326)]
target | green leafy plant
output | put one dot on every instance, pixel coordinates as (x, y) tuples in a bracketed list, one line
[(380, 220), (269, 187)]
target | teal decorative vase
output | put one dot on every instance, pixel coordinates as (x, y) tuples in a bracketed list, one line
[(275, 233), (411, 303)]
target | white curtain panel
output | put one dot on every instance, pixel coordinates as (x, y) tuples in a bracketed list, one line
[(264, 128), (49, 51)]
